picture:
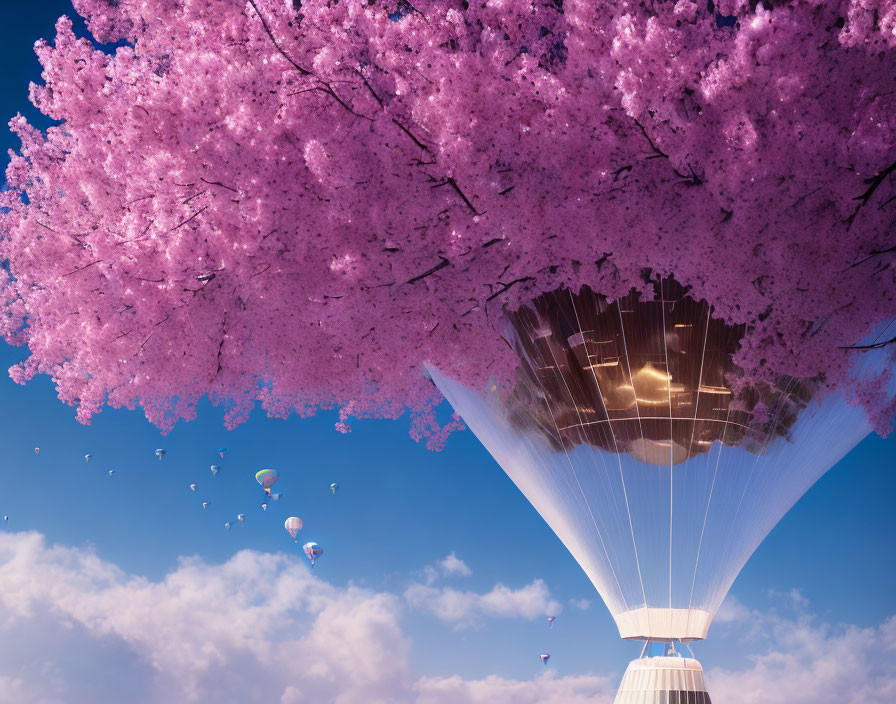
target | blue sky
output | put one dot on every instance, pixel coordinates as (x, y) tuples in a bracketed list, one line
[(827, 571)]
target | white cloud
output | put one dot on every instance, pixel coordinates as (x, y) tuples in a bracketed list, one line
[(793, 598), (14, 690), (732, 611), (431, 574), (257, 628), (806, 661), (449, 566), (262, 628), (546, 689), (453, 565), (465, 608), (580, 604)]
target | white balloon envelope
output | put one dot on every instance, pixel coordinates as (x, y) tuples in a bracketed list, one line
[(293, 525), (629, 433)]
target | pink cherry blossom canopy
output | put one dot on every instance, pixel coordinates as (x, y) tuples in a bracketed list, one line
[(298, 203)]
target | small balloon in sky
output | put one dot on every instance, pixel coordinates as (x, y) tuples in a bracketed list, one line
[(192, 487), (221, 451), (267, 477), (313, 551), (160, 453), (215, 469), (205, 504), (241, 518), (333, 487), (293, 525), (276, 497), (227, 525), (111, 472), (551, 620), (264, 507), (87, 457), (6, 518), (36, 450), (545, 657)]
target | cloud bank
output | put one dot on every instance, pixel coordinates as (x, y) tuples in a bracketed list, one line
[(465, 608), (261, 628), (806, 660)]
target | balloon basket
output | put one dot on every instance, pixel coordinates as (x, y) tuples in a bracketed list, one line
[(665, 679)]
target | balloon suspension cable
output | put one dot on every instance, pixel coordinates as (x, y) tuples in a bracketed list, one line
[(644, 649), (688, 646)]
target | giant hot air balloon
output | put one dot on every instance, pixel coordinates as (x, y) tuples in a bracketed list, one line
[(657, 461)]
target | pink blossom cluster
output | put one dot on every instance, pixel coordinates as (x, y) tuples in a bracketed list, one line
[(298, 203)]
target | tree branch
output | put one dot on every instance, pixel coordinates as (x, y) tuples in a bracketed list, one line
[(873, 346), (283, 53), (328, 89), (451, 182), (441, 265), (82, 268), (874, 183)]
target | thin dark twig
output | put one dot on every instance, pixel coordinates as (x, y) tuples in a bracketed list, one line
[(441, 265), (283, 53), (874, 253), (195, 195), (451, 182), (410, 134), (218, 183), (874, 346), (866, 196), (328, 89), (657, 152), (82, 268), (395, 122), (192, 217), (370, 88), (506, 286), (221, 344)]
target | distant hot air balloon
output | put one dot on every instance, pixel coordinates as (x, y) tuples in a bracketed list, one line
[(626, 428), (160, 453), (222, 451), (87, 457), (192, 487), (215, 469), (333, 487), (551, 620), (276, 497), (36, 450), (6, 518), (205, 504), (111, 472), (313, 551), (267, 477), (264, 507), (293, 525), (227, 525), (545, 657), (241, 518)]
